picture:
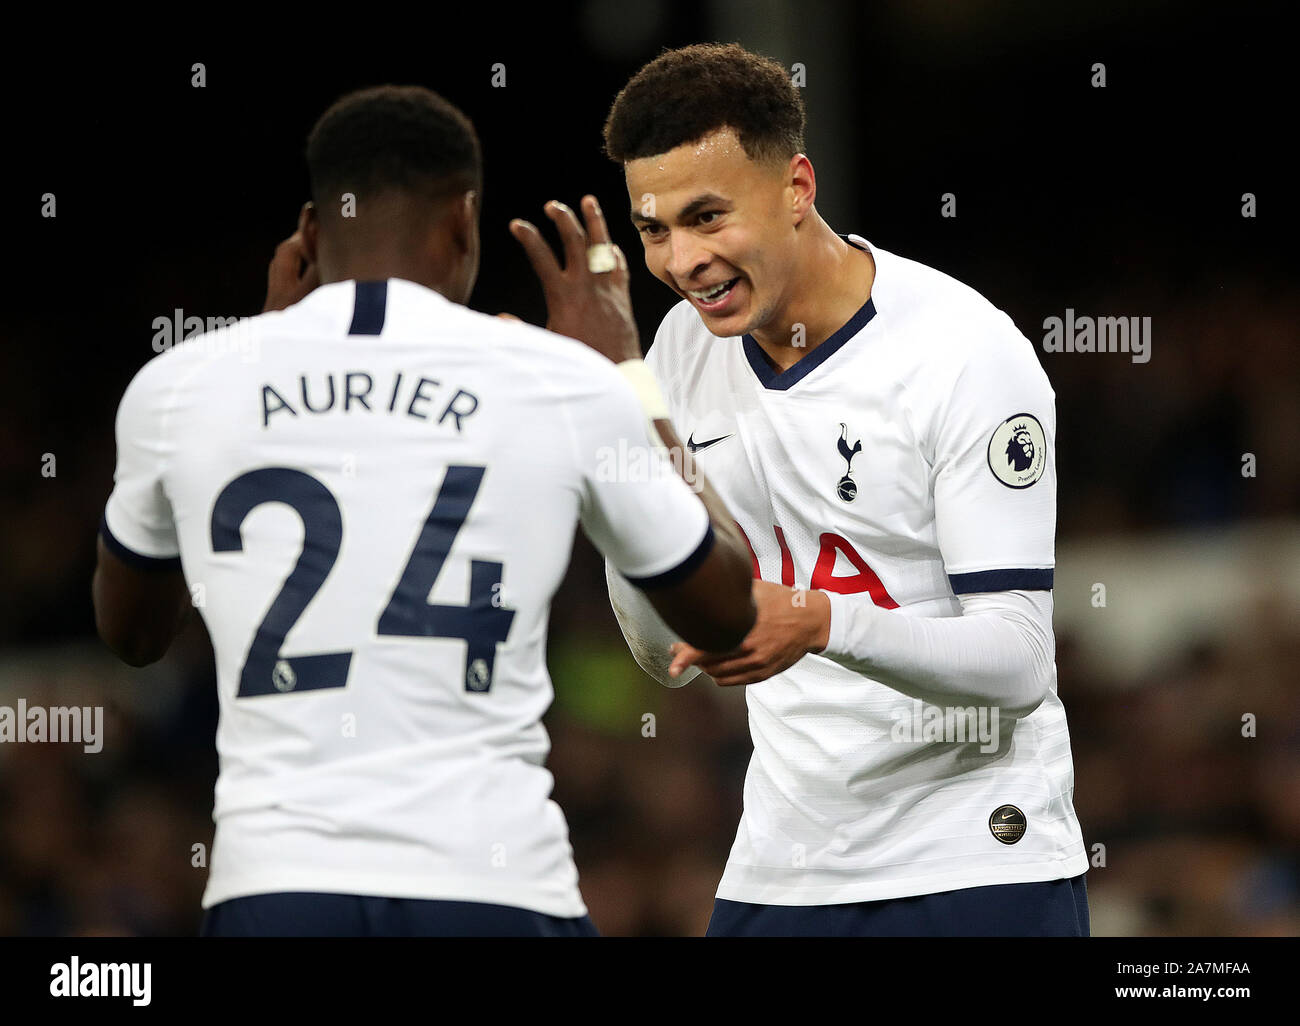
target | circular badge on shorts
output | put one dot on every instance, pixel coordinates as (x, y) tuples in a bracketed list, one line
[(1018, 451), (1008, 824)]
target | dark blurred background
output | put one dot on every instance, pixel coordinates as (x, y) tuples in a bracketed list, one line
[(1119, 201)]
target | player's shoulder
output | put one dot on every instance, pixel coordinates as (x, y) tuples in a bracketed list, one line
[(680, 342), (944, 329), (680, 327), (534, 348), (562, 373), (178, 360), (681, 321), (507, 346), (942, 311)]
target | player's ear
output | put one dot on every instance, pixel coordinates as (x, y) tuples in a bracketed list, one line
[(462, 226), (803, 187), (465, 222), (309, 229)]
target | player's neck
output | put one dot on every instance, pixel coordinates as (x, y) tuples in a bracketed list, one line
[(831, 284), (372, 271), (364, 262)]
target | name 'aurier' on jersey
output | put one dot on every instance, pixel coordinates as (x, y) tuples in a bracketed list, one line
[(906, 460), (373, 496)]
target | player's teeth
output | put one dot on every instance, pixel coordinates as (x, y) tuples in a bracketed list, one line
[(713, 293)]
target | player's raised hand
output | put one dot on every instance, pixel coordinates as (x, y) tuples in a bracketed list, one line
[(291, 274), (791, 623), (588, 297)]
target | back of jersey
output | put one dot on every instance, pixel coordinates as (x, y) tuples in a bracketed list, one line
[(373, 495)]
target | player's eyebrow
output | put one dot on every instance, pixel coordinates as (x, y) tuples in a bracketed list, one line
[(693, 207)]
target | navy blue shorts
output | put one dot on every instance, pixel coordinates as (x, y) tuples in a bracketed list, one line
[(300, 914), (1056, 908)]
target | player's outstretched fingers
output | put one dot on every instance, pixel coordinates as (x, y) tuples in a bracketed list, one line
[(620, 273), (572, 235), (539, 253), (598, 234), (597, 230)]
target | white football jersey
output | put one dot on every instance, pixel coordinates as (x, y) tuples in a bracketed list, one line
[(905, 461), (373, 496)]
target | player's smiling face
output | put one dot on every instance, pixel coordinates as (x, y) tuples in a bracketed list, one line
[(717, 228)]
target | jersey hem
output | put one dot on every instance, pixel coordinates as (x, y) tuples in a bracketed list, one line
[(845, 894), (388, 886)]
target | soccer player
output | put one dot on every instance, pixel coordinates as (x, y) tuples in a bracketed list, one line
[(885, 437), (371, 496)]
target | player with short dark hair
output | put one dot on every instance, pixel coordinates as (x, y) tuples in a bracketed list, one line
[(374, 490), (686, 94), (856, 410), (394, 137)]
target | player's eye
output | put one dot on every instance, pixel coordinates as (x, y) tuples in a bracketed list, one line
[(712, 217), (650, 229)]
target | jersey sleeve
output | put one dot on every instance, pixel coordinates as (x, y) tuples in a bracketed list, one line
[(648, 638), (995, 469), (137, 524), (636, 509), (999, 652)]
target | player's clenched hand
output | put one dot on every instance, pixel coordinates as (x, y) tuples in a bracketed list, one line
[(291, 275), (791, 623), (594, 307)]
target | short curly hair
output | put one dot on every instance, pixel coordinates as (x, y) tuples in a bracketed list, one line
[(386, 138), (683, 95)]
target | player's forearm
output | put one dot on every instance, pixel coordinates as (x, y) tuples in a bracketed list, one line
[(1000, 653), (137, 613)]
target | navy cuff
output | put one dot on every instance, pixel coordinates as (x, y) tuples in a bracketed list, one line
[(1001, 580), (682, 570), (130, 556)]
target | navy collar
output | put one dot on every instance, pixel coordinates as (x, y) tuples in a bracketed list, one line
[(770, 378)]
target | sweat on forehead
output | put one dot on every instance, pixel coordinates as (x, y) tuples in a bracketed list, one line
[(711, 170), (720, 146)]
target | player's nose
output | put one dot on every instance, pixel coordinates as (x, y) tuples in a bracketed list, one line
[(686, 257)]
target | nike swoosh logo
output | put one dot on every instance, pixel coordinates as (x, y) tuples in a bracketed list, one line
[(1006, 815), (695, 446)]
